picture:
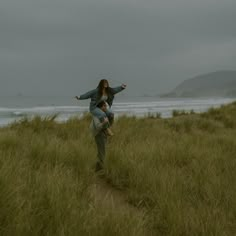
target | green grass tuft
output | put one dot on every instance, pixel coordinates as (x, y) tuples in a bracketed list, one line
[(178, 173)]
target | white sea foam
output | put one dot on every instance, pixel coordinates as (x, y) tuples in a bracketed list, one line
[(130, 108)]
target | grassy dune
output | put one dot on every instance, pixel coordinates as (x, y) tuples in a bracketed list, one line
[(177, 176)]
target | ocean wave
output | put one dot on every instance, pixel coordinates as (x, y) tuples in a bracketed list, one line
[(164, 107)]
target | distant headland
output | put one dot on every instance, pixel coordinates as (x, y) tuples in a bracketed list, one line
[(219, 83)]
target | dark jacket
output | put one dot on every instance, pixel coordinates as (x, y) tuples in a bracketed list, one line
[(95, 97)]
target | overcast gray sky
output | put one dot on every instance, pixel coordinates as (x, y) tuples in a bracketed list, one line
[(64, 47)]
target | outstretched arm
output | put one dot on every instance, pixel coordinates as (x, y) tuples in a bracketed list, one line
[(86, 95), (118, 89)]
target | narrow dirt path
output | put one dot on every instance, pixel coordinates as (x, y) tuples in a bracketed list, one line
[(109, 197)]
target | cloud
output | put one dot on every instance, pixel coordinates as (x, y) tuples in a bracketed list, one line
[(151, 44)]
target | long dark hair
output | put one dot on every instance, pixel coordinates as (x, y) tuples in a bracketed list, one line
[(100, 87)]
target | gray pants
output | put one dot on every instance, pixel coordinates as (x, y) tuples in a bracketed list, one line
[(101, 140)]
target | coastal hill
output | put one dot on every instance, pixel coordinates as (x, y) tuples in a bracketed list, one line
[(220, 83)]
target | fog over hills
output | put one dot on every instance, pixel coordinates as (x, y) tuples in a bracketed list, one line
[(219, 83)]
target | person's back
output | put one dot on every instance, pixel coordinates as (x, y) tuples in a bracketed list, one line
[(96, 126)]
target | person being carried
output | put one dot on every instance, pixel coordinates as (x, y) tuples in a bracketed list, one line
[(102, 93), (98, 129)]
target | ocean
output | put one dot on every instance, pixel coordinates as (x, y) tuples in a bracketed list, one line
[(14, 108)]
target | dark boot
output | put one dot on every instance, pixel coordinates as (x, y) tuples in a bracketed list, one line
[(98, 167)]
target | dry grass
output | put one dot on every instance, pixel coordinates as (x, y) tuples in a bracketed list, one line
[(180, 172)]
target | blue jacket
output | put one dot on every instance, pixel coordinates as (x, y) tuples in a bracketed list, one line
[(95, 98)]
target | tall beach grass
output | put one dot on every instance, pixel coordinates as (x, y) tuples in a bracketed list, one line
[(180, 172)]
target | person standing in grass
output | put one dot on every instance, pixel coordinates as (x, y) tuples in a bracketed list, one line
[(98, 130), (102, 93)]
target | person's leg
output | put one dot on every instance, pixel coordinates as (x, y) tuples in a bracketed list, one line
[(100, 115), (110, 116), (100, 140)]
